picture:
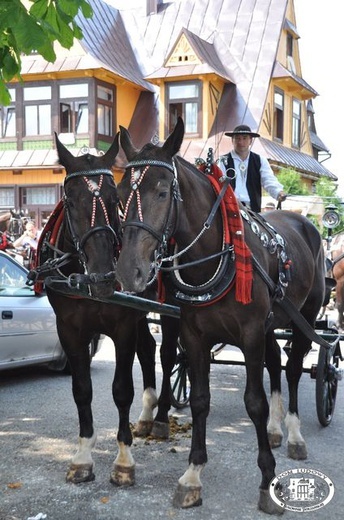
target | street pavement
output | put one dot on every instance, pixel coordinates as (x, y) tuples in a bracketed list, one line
[(39, 430)]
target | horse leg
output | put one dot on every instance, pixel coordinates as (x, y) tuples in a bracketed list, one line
[(168, 349), (274, 367), (81, 467), (258, 410), (296, 444), (123, 470), (188, 492), (145, 350)]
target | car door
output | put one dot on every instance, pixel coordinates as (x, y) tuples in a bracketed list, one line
[(28, 323)]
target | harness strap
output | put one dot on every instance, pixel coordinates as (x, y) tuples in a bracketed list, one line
[(288, 306)]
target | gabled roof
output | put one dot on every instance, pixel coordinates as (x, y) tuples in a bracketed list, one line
[(106, 39), (242, 35), (105, 45), (282, 72), (208, 60)]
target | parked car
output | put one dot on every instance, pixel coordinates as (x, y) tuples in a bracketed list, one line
[(28, 333)]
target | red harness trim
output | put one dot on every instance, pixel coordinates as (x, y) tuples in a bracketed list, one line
[(53, 225)]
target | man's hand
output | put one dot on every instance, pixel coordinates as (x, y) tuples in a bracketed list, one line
[(281, 196)]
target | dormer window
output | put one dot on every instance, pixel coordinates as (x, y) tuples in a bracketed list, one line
[(184, 99)]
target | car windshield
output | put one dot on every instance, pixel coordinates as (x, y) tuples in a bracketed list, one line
[(12, 278)]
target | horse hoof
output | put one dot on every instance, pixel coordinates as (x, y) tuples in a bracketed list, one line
[(160, 430), (78, 473), (267, 505), (122, 475), (275, 440), (185, 497), (297, 451), (143, 428)]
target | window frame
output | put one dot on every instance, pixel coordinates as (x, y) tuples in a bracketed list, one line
[(108, 105), (296, 124), (74, 104), (181, 110), (37, 103), (278, 116)]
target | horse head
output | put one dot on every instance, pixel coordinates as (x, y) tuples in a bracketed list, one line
[(91, 221), (148, 192)]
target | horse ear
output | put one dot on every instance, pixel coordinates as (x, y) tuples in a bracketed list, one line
[(126, 143), (65, 157), (109, 157), (174, 141)]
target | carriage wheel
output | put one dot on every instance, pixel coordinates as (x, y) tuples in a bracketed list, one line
[(326, 384), (180, 383)]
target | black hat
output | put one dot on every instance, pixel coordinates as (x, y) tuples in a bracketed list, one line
[(242, 130)]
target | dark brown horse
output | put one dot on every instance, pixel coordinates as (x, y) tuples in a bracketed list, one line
[(79, 249), (12, 225), (166, 197)]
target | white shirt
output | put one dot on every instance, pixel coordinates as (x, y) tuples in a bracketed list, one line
[(267, 178)]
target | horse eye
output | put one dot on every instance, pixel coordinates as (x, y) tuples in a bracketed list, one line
[(163, 194)]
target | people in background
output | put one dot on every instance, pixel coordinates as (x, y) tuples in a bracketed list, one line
[(29, 238), (250, 172)]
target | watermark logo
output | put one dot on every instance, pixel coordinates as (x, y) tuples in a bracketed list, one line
[(301, 490)]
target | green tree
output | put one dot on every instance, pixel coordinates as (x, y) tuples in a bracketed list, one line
[(292, 182), (34, 25)]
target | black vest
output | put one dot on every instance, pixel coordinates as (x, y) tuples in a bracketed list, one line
[(253, 182)]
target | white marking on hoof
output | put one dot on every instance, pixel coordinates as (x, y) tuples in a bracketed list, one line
[(84, 454), (192, 476), (293, 424), (149, 402), (297, 449), (124, 457), (188, 492), (274, 428), (123, 471)]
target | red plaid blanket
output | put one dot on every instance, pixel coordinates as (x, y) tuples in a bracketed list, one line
[(243, 256)]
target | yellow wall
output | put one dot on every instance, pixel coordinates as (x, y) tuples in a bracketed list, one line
[(33, 176)]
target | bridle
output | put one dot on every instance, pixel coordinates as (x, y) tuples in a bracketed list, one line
[(160, 254), (136, 178), (79, 242), (97, 201)]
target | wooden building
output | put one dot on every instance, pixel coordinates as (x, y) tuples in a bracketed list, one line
[(216, 63)]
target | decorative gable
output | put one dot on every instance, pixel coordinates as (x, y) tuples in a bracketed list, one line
[(182, 54)]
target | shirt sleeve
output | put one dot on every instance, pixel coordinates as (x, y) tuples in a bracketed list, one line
[(268, 179)]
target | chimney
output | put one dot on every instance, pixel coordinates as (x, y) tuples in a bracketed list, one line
[(152, 6)]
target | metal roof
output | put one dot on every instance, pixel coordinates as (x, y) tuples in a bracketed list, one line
[(205, 51), (285, 157)]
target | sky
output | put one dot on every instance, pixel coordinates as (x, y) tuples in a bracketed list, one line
[(321, 44)]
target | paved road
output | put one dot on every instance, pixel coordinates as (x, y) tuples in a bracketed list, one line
[(38, 436)]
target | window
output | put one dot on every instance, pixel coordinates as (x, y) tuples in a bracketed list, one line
[(37, 110), (105, 110), (296, 125), (184, 100), (6, 198), (290, 43), (278, 114), (74, 108), (38, 196), (8, 117)]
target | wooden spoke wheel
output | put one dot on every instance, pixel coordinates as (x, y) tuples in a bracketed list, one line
[(180, 383)]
